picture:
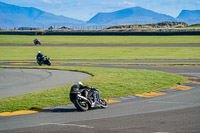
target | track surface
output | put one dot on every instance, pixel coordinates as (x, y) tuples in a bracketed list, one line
[(177, 112), (134, 61), (21, 81)]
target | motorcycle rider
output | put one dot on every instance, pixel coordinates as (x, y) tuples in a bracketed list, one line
[(96, 95), (39, 56), (36, 41)]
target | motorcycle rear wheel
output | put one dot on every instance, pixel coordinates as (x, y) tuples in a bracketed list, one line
[(81, 105)]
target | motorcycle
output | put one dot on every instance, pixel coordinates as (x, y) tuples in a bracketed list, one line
[(45, 60), (37, 42), (83, 99)]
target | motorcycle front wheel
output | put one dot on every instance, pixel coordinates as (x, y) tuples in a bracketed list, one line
[(103, 103), (39, 63), (81, 105), (49, 63)]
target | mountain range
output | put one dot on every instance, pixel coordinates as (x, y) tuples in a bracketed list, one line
[(15, 16), (12, 16), (190, 17), (135, 15)]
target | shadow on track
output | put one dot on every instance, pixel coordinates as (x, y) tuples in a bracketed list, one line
[(54, 110)]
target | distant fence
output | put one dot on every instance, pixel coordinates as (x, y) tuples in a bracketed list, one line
[(100, 33)]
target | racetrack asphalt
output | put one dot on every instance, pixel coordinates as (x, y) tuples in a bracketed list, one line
[(176, 112), (173, 121), (171, 69), (21, 81)]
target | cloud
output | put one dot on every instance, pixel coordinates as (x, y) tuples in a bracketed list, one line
[(172, 0), (52, 1), (46, 1), (168, 2), (127, 3), (119, 4), (198, 2)]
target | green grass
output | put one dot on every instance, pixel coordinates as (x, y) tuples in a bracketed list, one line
[(99, 53), (110, 82), (22, 39)]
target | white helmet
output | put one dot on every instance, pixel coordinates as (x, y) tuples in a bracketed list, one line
[(38, 52), (79, 83)]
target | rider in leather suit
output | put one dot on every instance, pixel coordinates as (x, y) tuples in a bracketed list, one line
[(95, 94)]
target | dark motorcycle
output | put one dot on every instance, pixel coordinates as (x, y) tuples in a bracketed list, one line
[(37, 42), (84, 100), (44, 60)]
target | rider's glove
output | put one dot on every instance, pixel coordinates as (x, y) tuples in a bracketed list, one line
[(92, 88)]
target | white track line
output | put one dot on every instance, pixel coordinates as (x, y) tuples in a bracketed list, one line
[(60, 124)]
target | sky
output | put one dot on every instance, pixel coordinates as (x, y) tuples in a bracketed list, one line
[(86, 9)]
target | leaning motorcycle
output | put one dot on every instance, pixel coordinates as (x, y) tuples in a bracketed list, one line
[(83, 102), (45, 60), (37, 42)]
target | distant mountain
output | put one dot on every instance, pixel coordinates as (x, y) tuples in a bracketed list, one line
[(12, 16), (135, 15), (189, 16), (15, 16)]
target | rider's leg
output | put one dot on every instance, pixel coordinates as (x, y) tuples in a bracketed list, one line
[(96, 98)]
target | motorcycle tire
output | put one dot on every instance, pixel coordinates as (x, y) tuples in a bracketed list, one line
[(39, 63), (103, 103), (81, 105), (49, 63)]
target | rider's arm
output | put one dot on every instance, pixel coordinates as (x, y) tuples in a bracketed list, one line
[(92, 88)]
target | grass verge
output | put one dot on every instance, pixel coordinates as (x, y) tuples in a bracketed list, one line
[(99, 53), (111, 82), (27, 39)]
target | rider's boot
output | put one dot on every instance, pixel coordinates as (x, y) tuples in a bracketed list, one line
[(97, 104), (93, 104)]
